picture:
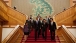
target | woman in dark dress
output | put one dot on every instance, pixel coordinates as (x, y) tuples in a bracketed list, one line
[(26, 31)]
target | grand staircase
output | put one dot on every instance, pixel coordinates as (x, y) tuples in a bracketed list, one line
[(63, 35), (31, 38)]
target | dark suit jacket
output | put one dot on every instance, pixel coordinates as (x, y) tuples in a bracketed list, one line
[(36, 25), (32, 23), (40, 24), (52, 27), (29, 25), (49, 20), (44, 26)]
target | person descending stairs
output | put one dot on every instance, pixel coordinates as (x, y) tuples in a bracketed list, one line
[(31, 38)]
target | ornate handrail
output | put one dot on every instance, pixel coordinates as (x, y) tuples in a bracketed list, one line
[(68, 36), (3, 10), (12, 36), (7, 12), (62, 16)]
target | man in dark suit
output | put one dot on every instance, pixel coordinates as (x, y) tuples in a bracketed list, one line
[(36, 26), (38, 16), (40, 26), (32, 23), (52, 28), (44, 29), (49, 19)]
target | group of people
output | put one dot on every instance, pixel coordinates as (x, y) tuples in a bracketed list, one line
[(40, 26)]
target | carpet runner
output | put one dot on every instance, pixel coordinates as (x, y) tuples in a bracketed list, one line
[(31, 38)]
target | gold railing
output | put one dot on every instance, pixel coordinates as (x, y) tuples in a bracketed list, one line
[(3, 6), (15, 14), (74, 17), (14, 35), (3, 10), (64, 15), (68, 36), (9, 14)]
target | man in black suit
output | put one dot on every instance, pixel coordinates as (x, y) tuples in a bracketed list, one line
[(38, 16), (36, 26), (52, 28), (32, 23), (44, 29), (49, 19), (40, 26)]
